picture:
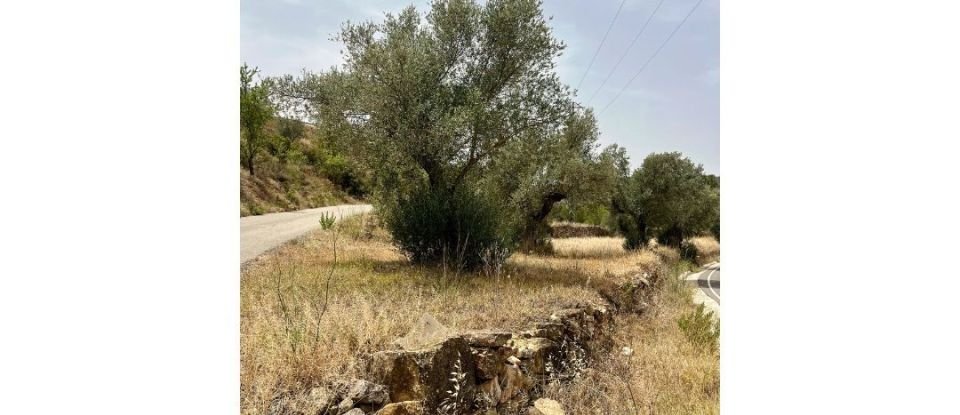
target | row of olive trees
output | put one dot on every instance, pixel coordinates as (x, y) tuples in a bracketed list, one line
[(469, 134)]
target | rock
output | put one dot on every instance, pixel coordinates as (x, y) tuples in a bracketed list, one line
[(316, 401), (486, 338), (402, 408), (344, 406), (552, 330), (425, 333), (424, 375), (546, 407), (367, 394), (535, 353), (320, 400), (354, 411), (488, 363), (514, 383)]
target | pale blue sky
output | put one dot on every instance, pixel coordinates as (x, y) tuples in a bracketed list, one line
[(672, 106)]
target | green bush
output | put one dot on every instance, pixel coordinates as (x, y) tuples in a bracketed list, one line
[(437, 225), (344, 174), (700, 328), (635, 236)]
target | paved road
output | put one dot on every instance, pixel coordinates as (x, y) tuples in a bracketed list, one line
[(261, 233), (708, 287)]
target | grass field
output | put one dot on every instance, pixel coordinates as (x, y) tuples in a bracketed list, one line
[(310, 309)]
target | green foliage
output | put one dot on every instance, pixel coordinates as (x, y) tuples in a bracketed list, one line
[(437, 100), (327, 220), (255, 112), (670, 196), (700, 328), (283, 145), (442, 95), (634, 234), (433, 226), (536, 175), (343, 174), (593, 212)]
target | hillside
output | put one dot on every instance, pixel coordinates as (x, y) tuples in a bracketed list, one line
[(296, 171)]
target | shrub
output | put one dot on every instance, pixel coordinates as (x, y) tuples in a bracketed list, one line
[(327, 220), (700, 328), (635, 236), (342, 173), (436, 225)]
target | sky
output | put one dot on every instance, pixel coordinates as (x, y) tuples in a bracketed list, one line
[(673, 105)]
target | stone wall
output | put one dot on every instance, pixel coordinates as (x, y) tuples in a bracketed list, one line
[(434, 370), (482, 370)]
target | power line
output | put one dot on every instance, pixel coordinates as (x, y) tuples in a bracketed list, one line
[(644, 66), (601, 43), (622, 57)]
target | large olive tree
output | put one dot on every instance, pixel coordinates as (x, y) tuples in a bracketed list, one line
[(443, 95), (430, 103)]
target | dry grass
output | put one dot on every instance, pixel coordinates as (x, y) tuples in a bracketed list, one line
[(588, 247), (278, 188), (375, 296), (666, 373), (707, 247), (575, 230)]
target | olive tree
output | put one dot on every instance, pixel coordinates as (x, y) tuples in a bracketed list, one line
[(538, 173), (444, 94), (431, 102), (669, 195), (255, 112)]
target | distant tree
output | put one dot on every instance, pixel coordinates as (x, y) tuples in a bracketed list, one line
[(255, 112), (670, 195), (282, 144)]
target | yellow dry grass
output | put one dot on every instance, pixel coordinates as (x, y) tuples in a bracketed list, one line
[(289, 342), (665, 374), (707, 247), (588, 247)]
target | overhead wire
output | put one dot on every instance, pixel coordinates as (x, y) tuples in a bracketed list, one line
[(644, 66), (627, 50), (594, 58)]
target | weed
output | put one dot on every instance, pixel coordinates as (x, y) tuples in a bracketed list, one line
[(455, 398), (700, 327), (327, 220)]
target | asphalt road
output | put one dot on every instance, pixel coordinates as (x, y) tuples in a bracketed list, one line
[(262, 233), (708, 286)]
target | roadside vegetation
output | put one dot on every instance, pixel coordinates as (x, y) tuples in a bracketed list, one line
[(286, 164), (495, 206), (312, 309)]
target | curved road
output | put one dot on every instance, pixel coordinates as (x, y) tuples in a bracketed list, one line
[(708, 287), (262, 233)]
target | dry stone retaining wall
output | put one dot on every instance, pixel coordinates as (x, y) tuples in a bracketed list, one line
[(435, 370)]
